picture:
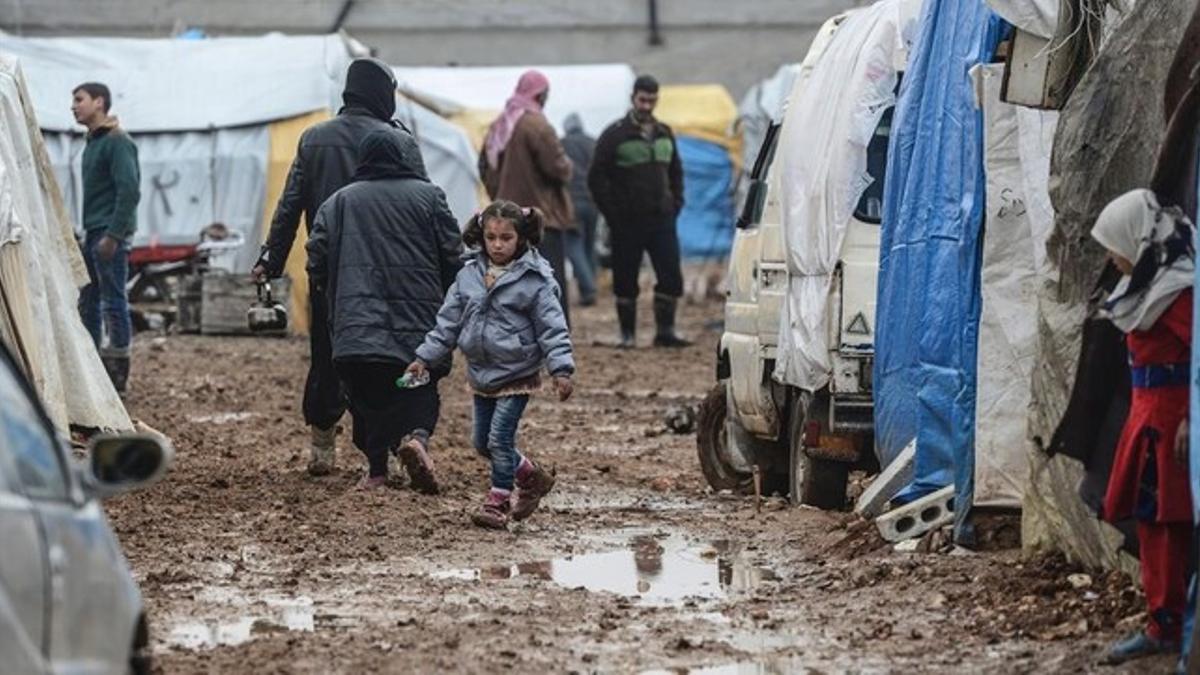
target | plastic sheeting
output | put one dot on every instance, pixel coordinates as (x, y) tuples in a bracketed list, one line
[(823, 149), (928, 308), (599, 93), (449, 156), (1039, 17), (39, 256), (185, 85), (705, 225), (189, 181), (703, 111), (1017, 145), (1104, 145)]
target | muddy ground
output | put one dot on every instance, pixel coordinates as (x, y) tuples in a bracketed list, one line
[(249, 565)]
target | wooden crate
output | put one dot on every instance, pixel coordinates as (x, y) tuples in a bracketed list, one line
[(224, 299)]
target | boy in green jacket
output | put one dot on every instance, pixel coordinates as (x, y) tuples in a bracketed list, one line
[(111, 180)]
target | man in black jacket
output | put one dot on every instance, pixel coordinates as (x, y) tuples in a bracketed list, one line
[(325, 161), (382, 252), (637, 183)]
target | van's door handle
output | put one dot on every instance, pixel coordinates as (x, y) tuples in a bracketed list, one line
[(58, 567)]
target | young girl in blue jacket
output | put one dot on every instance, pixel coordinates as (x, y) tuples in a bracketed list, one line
[(504, 312)]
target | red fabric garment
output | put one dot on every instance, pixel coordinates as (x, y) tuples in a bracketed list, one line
[(1164, 551), (1149, 433)]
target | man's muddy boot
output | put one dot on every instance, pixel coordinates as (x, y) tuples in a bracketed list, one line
[(493, 514), (664, 319), (533, 483), (627, 318), (324, 451), (415, 458)]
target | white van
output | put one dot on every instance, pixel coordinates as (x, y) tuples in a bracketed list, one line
[(803, 442)]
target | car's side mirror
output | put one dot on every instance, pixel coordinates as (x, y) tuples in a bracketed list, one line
[(120, 463)]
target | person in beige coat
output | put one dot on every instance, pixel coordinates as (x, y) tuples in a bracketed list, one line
[(524, 162)]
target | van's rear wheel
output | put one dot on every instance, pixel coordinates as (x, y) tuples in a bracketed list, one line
[(712, 441), (811, 480)]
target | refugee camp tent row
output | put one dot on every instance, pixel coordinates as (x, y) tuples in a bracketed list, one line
[(702, 116), (217, 122), (40, 271)]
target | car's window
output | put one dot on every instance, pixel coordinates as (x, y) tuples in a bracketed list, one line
[(29, 444), (870, 205), (756, 196)]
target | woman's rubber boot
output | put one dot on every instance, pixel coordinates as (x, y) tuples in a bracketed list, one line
[(627, 318), (493, 514), (533, 483), (1137, 646), (324, 451), (415, 458), (664, 319)]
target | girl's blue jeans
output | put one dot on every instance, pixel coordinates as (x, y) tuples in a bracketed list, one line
[(495, 437)]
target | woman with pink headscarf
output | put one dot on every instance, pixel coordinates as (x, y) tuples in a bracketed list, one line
[(524, 162)]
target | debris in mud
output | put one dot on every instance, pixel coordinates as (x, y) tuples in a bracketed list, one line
[(861, 538), (681, 419)]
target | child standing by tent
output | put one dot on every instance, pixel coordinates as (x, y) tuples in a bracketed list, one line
[(504, 312), (1153, 247)]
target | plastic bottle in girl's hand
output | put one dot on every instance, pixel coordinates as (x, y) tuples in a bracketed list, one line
[(411, 381)]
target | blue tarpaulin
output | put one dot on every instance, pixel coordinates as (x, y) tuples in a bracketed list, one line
[(929, 298), (706, 223)]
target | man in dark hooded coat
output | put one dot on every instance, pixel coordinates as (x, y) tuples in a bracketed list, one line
[(382, 252), (325, 160)]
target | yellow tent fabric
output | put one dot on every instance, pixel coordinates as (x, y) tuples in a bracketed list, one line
[(285, 136), (703, 111)]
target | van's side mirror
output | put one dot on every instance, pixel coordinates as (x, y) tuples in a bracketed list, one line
[(120, 463)]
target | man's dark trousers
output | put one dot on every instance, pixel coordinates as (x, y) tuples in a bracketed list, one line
[(630, 241), (324, 399)]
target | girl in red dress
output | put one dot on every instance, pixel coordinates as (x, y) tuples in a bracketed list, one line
[(1153, 247)]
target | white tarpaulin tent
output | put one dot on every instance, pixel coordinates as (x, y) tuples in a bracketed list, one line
[(1017, 146), (201, 114), (826, 130), (198, 110), (599, 93), (1039, 17), (40, 271)]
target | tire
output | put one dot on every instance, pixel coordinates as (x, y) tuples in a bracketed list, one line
[(711, 439), (812, 481)]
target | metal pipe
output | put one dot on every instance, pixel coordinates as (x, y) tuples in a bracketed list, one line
[(341, 16), (656, 39)]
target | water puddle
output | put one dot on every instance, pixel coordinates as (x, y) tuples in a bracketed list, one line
[(654, 570), (268, 615)]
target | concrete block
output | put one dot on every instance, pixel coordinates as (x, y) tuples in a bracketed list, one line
[(885, 486), (916, 518)]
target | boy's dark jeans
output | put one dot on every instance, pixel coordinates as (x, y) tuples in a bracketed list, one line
[(103, 303)]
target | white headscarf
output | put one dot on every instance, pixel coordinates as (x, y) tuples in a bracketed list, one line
[(1135, 227)]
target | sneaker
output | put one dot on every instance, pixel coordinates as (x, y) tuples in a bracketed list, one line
[(370, 482), (533, 483), (493, 514), (419, 466), (324, 451), (1137, 646)]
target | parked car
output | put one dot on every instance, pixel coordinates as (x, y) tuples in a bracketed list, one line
[(803, 443), (68, 603)]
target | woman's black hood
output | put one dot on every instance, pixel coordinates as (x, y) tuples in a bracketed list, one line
[(371, 86), (389, 153)]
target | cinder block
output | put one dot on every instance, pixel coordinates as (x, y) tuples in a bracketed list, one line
[(916, 518), (894, 477)]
